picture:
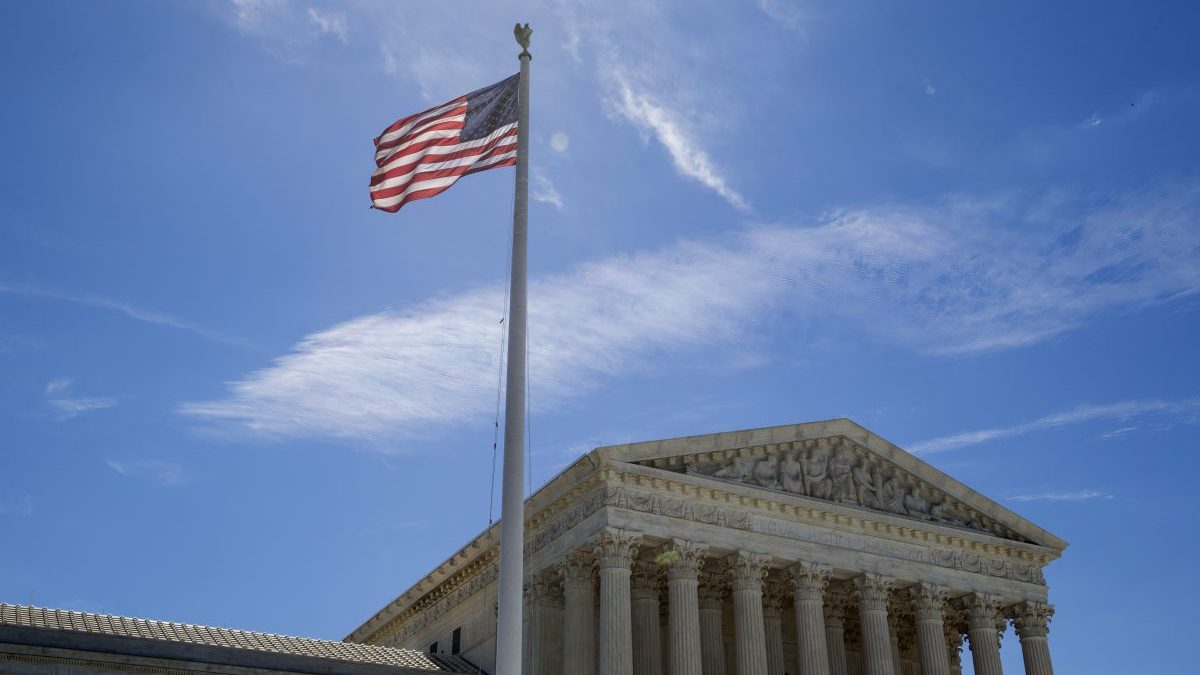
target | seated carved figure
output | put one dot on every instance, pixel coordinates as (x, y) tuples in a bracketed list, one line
[(841, 478), (915, 503), (791, 473), (816, 480), (864, 483), (764, 472), (892, 498)]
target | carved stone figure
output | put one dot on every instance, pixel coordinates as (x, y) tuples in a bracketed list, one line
[(739, 469), (791, 473), (893, 494), (864, 484), (841, 478), (944, 512), (915, 503), (816, 478), (764, 472)]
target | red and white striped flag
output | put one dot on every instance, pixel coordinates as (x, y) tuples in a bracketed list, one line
[(423, 154)]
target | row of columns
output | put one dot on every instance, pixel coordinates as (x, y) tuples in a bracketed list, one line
[(631, 642)]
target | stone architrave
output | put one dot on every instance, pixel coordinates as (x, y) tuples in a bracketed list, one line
[(982, 610), (928, 602), (1032, 623), (746, 572), (683, 560), (647, 650), (615, 551), (809, 581), (712, 630), (872, 591), (773, 602), (579, 623), (836, 606)]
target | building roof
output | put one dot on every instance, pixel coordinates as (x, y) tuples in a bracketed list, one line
[(635, 453), (84, 624)]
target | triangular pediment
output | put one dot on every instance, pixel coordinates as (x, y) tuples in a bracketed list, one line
[(840, 462)]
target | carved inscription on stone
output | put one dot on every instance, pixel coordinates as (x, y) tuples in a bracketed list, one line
[(957, 560), (838, 470)]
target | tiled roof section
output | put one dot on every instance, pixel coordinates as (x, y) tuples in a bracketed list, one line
[(104, 624)]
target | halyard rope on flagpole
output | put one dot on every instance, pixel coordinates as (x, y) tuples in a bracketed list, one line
[(500, 371)]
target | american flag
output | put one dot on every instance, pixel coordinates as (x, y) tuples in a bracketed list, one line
[(424, 154)]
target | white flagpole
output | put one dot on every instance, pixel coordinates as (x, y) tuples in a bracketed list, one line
[(512, 494)]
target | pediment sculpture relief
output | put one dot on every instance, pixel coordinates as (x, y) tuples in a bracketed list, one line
[(838, 470)]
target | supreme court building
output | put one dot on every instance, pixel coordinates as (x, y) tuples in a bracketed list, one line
[(808, 549)]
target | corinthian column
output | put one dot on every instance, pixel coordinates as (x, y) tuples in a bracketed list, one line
[(1032, 622), (773, 626), (836, 605), (683, 560), (809, 581), (928, 601), (895, 627), (952, 619), (615, 550), (872, 591), (543, 648), (647, 651), (579, 623), (746, 572), (712, 632), (982, 610)]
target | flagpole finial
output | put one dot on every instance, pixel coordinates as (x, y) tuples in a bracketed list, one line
[(522, 34)]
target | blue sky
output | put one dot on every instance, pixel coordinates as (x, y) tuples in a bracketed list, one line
[(234, 395)]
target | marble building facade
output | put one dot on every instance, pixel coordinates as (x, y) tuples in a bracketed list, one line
[(807, 549)]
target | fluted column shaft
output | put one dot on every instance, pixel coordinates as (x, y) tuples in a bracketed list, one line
[(1032, 623), (835, 631), (809, 582), (928, 602), (684, 561), (773, 626), (579, 623), (615, 550), (647, 650), (712, 634), (981, 632), (543, 643), (872, 591), (746, 571), (954, 640)]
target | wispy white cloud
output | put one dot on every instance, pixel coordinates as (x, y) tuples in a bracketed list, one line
[(1092, 122), (930, 90), (328, 23), (1077, 496), (287, 30), (1124, 410), (68, 408), (542, 190), (1117, 433), (152, 470), (120, 307), (964, 276), (783, 12), (670, 128)]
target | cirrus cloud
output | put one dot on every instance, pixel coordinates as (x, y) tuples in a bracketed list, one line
[(960, 277)]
